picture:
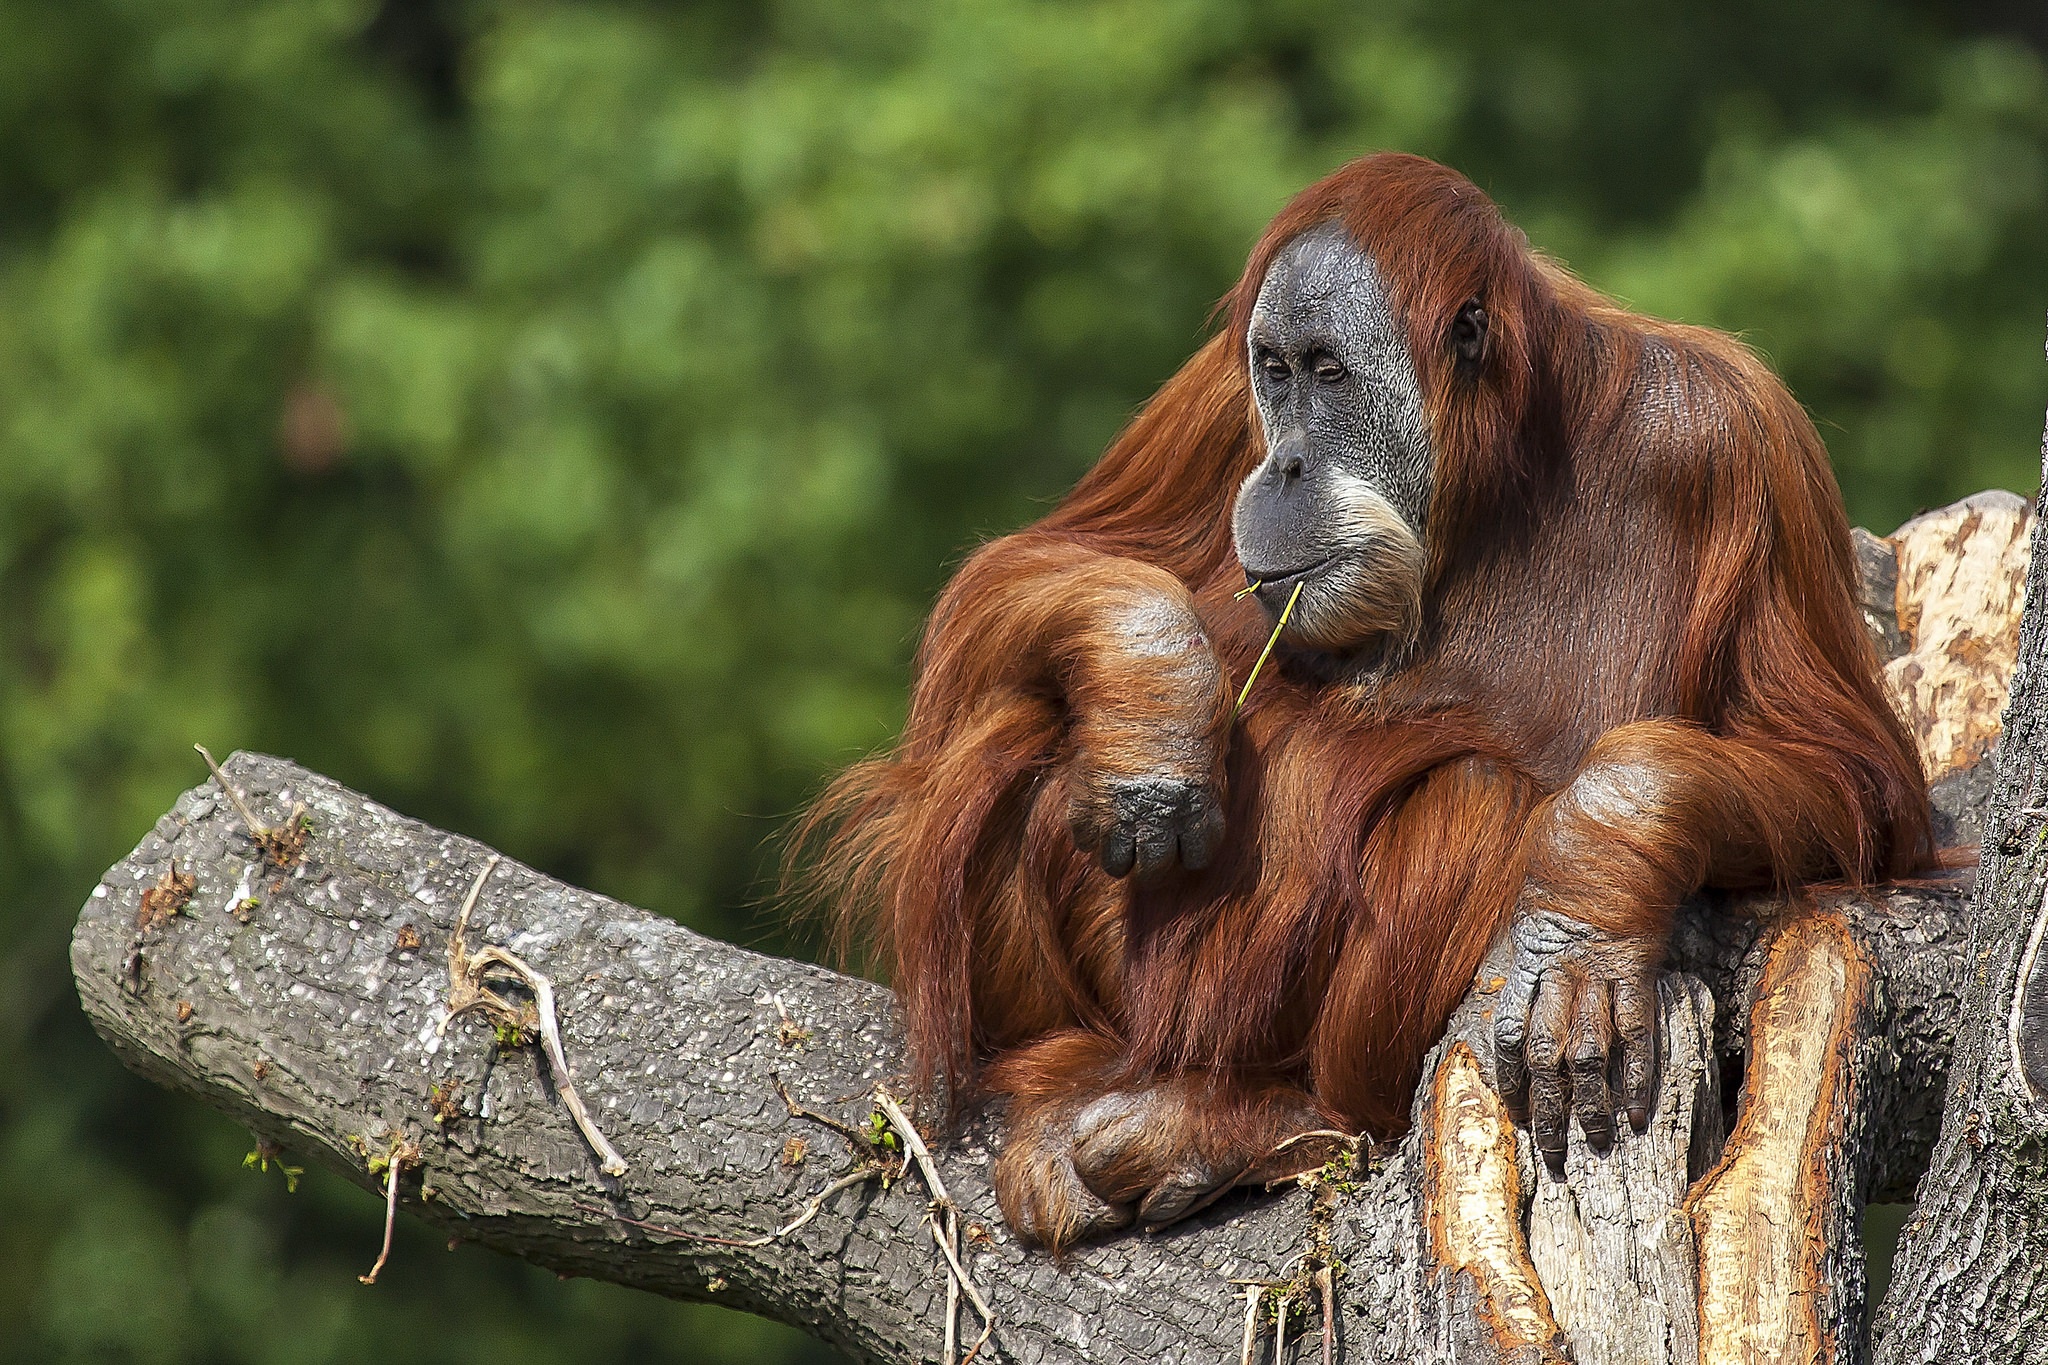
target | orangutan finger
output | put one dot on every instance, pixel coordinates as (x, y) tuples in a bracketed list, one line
[(1119, 851), (1510, 1039), (1635, 1019), (1549, 1083), (1201, 833), (1592, 1030)]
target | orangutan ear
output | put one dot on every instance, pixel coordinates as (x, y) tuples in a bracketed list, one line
[(1468, 337)]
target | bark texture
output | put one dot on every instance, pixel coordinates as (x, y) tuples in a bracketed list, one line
[(311, 1016), (1971, 1279), (307, 1002)]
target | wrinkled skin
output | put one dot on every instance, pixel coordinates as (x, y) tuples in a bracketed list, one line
[(1141, 826), (1575, 1031), (1340, 502)]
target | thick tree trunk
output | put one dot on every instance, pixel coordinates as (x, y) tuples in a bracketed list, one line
[(312, 1016), (1971, 1280), (308, 1002)]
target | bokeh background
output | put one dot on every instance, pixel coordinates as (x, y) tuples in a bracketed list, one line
[(555, 418)]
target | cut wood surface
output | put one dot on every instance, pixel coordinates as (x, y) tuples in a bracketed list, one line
[(308, 1001)]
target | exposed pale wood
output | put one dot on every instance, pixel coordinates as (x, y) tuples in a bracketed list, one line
[(1962, 572), (1612, 1243), (1473, 1194), (1772, 1248)]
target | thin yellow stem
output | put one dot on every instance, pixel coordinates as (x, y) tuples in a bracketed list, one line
[(1267, 652)]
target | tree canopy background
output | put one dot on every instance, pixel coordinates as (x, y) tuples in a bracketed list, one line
[(554, 419)]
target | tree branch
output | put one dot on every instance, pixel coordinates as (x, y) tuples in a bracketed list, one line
[(314, 1022), (302, 991)]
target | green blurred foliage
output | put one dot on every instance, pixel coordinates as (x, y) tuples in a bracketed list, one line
[(555, 418)]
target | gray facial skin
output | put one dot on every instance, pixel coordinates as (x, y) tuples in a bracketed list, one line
[(1340, 501)]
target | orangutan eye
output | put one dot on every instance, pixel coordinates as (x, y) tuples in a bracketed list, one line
[(1329, 370), (1275, 368)]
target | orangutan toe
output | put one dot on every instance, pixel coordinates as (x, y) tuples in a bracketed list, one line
[(1110, 1134), (1074, 1167), (1181, 1193), (1043, 1198), (1139, 1147)]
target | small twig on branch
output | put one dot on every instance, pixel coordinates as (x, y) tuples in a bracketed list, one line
[(2014, 1023), (281, 844), (872, 1164), (1326, 1282), (855, 1137), (1346, 1142), (467, 991), (788, 1032), (858, 1176), (1350, 1142), (384, 1253), (234, 797), (551, 1040), (952, 1243), (948, 1236), (1285, 1293), (401, 1155)]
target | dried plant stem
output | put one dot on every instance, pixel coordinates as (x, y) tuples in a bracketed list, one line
[(854, 1137), (944, 1220), (1327, 1283), (281, 844), (945, 1223), (551, 1039), (949, 1239), (1267, 652), (466, 991), (1348, 1141), (1252, 1294), (871, 1167), (810, 1210), (257, 829), (390, 1213)]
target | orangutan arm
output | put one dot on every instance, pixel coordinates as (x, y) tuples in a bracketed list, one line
[(1119, 643), (1657, 810)]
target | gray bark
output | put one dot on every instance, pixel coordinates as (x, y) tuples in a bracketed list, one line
[(314, 1024), (1971, 1280)]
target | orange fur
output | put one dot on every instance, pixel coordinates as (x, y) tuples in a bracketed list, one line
[(1640, 670)]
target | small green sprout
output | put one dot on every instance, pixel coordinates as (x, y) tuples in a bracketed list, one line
[(267, 1152), (879, 1133)]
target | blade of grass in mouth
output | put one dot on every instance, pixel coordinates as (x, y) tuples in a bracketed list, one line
[(1271, 640)]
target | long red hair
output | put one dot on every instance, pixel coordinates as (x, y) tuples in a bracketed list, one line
[(1632, 520)]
